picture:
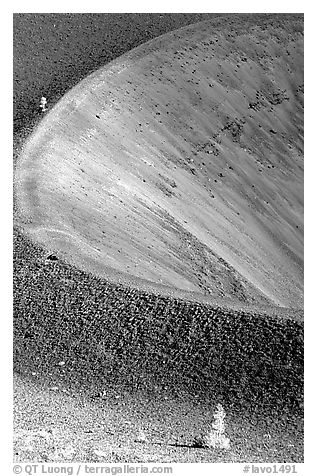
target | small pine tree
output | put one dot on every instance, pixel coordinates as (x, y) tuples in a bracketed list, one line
[(43, 104), (217, 438)]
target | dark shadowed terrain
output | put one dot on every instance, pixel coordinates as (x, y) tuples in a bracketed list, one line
[(105, 346)]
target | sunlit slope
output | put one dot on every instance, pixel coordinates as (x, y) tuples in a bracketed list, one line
[(180, 164)]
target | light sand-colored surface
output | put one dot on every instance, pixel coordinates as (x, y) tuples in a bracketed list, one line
[(179, 164), (118, 428)]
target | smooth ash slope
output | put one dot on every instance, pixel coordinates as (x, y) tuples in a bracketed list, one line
[(180, 164)]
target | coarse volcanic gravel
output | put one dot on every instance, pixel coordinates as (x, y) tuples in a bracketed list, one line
[(113, 335)]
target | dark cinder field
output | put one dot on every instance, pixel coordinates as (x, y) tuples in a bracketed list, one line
[(104, 353), (53, 52)]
